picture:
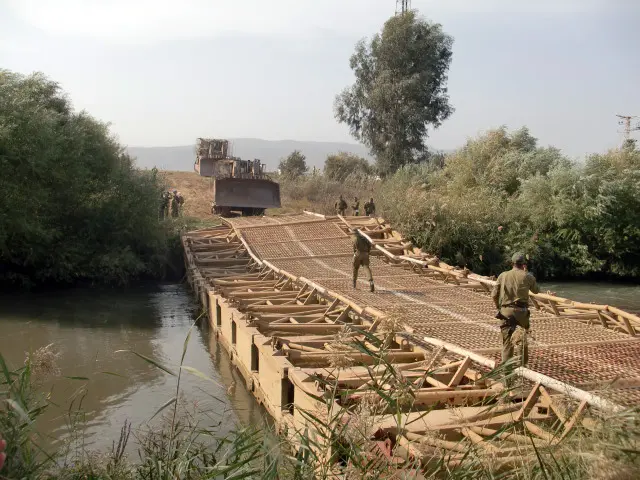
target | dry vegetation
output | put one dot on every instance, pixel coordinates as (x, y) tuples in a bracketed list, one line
[(195, 189), (312, 193)]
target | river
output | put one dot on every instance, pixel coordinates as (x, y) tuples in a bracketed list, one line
[(87, 327), (621, 295)]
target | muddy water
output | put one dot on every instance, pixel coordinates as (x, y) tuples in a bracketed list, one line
[(624, 296), (88, 327)]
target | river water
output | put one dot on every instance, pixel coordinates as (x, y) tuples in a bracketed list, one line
[(624, 296), (88, 327)]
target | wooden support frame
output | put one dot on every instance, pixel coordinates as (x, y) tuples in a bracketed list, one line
[(302, 317)]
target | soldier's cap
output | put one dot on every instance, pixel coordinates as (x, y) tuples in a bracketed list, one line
[(518, 258)]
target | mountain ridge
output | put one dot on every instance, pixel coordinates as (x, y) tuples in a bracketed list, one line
[(181, 157)]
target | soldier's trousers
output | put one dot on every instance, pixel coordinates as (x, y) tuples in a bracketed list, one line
[(361, 260), (517, 317), (341, 212)]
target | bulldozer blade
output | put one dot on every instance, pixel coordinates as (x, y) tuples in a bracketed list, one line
[(246, 193)]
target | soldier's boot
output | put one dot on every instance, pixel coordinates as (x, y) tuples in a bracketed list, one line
[(371, 287), (354, 283)]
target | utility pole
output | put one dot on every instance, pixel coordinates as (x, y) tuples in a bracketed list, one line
[(627, 127), (402, 6)]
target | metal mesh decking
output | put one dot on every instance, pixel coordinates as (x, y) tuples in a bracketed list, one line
[(581, 353)]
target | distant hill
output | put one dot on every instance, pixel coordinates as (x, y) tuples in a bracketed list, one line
[(181, 158)]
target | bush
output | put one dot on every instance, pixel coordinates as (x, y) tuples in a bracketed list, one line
[(320, 193), (73, 207), (341, 165), (502, 193), (294, 166)]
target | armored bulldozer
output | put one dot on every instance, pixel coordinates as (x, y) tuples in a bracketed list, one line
[(239, 186)]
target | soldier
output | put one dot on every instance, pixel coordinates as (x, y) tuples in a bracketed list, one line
[(356, 206), (511, 297), (164, 204), (176, 203), (361, 249), (341, 206), (370, 208)]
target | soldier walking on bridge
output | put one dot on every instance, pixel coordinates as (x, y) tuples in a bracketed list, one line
[(361, 249), (341, 206), (511, 297)]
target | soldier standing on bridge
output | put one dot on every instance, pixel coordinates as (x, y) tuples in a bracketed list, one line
[(356, 206), (511, 297), (341, 206), (370, 208), (361, 249)]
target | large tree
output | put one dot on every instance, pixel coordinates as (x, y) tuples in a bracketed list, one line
[(400, 90)]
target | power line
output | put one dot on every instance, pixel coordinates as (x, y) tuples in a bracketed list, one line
[(403, 6), (627, 127)]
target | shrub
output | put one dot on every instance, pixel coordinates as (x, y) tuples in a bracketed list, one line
[(501, 193), (73, 207)]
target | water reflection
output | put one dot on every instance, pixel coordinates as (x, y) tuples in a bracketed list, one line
[(88, 327)]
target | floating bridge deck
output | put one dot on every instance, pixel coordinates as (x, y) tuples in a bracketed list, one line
[(278, 293)]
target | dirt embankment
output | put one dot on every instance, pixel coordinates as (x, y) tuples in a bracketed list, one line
[(198, 193), (195, 189)]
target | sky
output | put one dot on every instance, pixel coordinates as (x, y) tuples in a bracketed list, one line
[(166, 72)]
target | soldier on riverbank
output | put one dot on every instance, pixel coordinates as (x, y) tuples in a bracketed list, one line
[(511, 297), (370, 208), (176, 204), (361, 249), (165, 199), (341, 206)]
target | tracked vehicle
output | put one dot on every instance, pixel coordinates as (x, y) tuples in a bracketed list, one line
[(238, 186)]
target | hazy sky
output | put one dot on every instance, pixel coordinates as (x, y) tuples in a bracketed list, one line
[(165, 72)]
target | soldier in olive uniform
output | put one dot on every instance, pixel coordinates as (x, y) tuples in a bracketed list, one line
[(341, 206), (165, 198), (370, 208), (361, 249), (176, 204), (511, 297), (356, 206)]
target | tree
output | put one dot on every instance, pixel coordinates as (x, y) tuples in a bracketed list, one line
[(339, 166), (73, 206), (400, 90), (629, 144), (294, 165)]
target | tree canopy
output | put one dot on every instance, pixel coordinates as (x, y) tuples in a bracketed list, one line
[(294, 165), (400, 90), (73, 207), (339, 166)]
